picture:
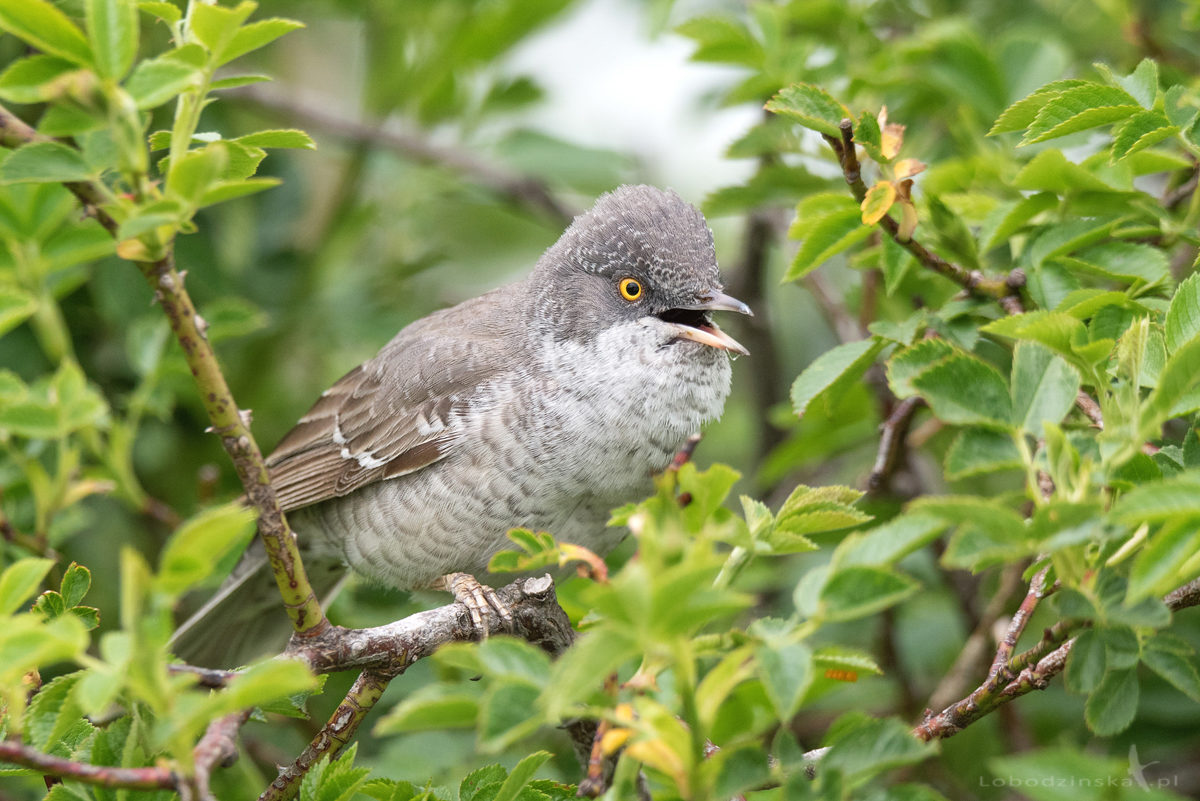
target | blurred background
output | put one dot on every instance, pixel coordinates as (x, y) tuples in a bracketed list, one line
[(456, 139)]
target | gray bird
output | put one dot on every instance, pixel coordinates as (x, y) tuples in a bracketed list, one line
[(542, 404)]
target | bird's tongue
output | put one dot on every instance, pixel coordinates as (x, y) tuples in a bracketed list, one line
[(708, 333)]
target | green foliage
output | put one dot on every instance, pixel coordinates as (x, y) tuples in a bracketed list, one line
[(1052, 359)]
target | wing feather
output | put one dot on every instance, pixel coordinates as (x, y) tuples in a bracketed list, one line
[(398, 412)]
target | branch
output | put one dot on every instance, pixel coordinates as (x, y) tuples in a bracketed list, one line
[(156, 778), (524, 190), (334, 735), (217, 748), (893, 431), (974, 282), (228, 421)]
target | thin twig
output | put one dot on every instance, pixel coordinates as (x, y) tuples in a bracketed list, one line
[(893, 431), (217, 748), (156, 778), (334, 735), (228, 421), (524, 190), (1016, 626)]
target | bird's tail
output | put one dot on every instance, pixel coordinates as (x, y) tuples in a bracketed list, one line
[(245, 618)]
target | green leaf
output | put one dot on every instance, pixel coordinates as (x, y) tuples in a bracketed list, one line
[(1131, 261), (812, 107), (1142, 83), (215, 26), (196, 171), (30, 80), (20, 580), (1020, 115), (1179, 671), (1140, 132), (1056, 330), (905, 364), (255, 35), (872, 747), (1085, 665), (196, 548), (833, 372), (221, 191), (1178, 378), (1043, 387), (869, 136), (43, 26), (1050, 171), (16, 306), (987, 529), (857, 591), (289, 137), (786, 671), (1160, 502), (76, 582), (888, 543), (435, 706), (1008, 218), (165, 11), (45, 162), (1155, 571), (1077, 109), (1062, 774), (722, 40), (505, 715), (980, 450), (521, 775), (52, 711), (112, 27), (963, 390), (825, 237), (1183, 316), (158, 80), (1111, 707), (273, 679)]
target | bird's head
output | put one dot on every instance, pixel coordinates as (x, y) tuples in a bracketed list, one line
[(640, 256)]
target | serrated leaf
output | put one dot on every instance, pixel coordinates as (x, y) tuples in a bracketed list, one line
[(1043, 387), (30, 80), (1050, 171), (1056, 330), (1155, 569), (811, 106), (833, 372), (980, 450), (1140, 132), (16, 306), (1177, 670), (1111, 707), (878, 201), (873, 746), (826, 237), (214, 26), (786, 671), (1129, 260), (156, 81), (436, 706), (966, 391), (196, 547), (222, 191), (45, 162), (521, 775), (76, 582), (1142, 83), (888, 543), (907, 363), (288, 137), (256, 35), (53, 711), (42, 25), (856, 591), (1020, 114), (1179, 376), (20, 580), (1183, 316), (1077, 109), (868, 135), (843, 658), (1008, 218), (112, 27), (1085, 665)]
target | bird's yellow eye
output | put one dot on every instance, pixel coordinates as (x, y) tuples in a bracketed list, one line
[(630, 289)]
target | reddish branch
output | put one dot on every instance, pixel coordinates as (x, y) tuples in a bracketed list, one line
[(156, 778)]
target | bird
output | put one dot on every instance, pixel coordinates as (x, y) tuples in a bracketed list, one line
[(543, 404)]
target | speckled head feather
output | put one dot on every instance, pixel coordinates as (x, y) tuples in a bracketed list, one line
[(642, 232)]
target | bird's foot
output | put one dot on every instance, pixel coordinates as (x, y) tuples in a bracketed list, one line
[(479, 599)]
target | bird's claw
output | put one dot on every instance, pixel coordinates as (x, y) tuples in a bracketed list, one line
[(479, 599)]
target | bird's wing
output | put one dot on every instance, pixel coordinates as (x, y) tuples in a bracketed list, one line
[(397, 412)]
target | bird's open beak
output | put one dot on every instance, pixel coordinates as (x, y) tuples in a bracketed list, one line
[(707, 332)]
